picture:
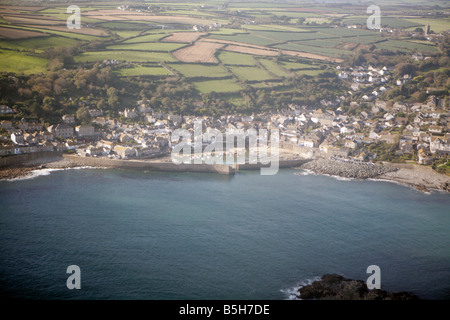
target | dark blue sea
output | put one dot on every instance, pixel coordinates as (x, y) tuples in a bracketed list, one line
[(144, 235)]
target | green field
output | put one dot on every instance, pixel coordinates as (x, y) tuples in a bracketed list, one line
[(234, 58), (68, 34), (251, 73), (123, 26), (265, 27), (264, 85), (220, 86), (147, 38), (274, 67), (13, 61), (299, 46), (38, 44), (297, 66), (406, 46), (436, 25), (392, 22), (314, 72), (192, 70), (245, 38), (127, 34), (152, 46), (226, 31), (143, 71), (132, 56)]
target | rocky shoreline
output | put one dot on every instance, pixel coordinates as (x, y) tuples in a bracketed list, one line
[(346, 169), (336, 287), (21, 171), (418, 177)]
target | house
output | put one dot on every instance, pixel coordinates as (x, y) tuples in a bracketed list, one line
[(440, 145), (95, 113), (61, 130), (130, 113), (350, 144), (94, 152), (100, 121), (69, 119), (17, 138), (124, 138), (355, 86), (125, 152), (5, 109), (85, 130), (435, 129), (6, 124), (424, 158)]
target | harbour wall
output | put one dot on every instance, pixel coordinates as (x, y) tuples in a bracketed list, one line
[(26, 158)]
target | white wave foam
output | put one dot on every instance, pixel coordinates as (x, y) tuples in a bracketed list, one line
[(45, 172), (292, 293), (305, 172)]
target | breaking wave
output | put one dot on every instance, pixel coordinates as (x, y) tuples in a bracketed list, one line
[(292, 293)]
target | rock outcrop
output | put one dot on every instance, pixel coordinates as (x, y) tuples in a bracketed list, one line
[(336, 287), (347, 169)]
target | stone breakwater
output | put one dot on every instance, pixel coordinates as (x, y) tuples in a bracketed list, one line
[(336, 287), (347, 169)]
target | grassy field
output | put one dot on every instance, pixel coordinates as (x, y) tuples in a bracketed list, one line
[(13, 61), (297, 66), (192, 70), (147, 38), (314, 72), (406, 46), (251, 73), (132, 56), (143, 71), (274, 67), (392, 22), (262, 27), (37, 44), (299, 46), (127, 34), (245, 38), (151, 46), (436, 25), (222, 86), (234, 58)]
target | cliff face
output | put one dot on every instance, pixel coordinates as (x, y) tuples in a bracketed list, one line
[(336, 287)]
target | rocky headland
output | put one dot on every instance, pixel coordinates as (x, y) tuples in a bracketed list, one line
[(347, 169), (418, 177), (336, 287)]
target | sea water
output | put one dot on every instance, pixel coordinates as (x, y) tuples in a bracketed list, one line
[(147, 235)]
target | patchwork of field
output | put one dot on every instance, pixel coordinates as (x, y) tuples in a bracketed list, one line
[(275, 40), (118, 15)]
